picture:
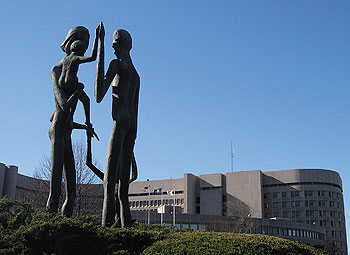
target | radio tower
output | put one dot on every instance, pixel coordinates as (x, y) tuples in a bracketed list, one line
[(232, 155)]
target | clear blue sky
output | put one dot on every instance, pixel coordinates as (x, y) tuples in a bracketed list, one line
[(272, 76)]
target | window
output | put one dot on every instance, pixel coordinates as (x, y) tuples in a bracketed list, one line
[(308, 193), (275, 205), (284, 194), (306, 203), (277, 231), (284, 204), (311, 203), (321, 193), (276, 214), (274, 194), (295, 194), (266, 195), (323, 213), (266, 205), (285, 214), (322, 203), (198, 200), (295, 203)]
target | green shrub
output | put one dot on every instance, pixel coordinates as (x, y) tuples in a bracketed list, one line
[(26, 232), (227, 243)]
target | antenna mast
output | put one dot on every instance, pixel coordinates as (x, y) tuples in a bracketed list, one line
[(232, 155)]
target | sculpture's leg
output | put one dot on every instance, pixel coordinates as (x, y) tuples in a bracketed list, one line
[(57, 148), (117, 204), (124, 176), (110, 176), (69, 179), (84, 98)]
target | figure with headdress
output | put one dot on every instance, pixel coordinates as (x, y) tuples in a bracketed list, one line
[(68, 91)]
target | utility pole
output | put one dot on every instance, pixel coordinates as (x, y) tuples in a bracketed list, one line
[(162, 206), (174, 208), (149, 204)]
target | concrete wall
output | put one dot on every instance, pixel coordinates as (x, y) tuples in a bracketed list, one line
[(190, 194), (211, 192), (9, 181), (246, 187), (302, 175), (2, 178)]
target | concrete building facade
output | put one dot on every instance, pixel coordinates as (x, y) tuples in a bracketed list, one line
[(310, 197), (302, 204)]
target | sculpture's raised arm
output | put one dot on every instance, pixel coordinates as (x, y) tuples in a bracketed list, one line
[(103, 82)]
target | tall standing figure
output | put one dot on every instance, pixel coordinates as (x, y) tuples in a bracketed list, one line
[(125, 82), (67, 91)]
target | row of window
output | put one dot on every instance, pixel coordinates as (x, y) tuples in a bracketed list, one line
[(306, 193), (307, 213), (183, 226), (276, 231), (338, 244), (334, 233), (307, 203), (145, 203)]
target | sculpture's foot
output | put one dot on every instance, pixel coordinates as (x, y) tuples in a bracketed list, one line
[(67, 209)]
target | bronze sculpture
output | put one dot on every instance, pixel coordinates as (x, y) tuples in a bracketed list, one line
[(125, 92), (67, 91)]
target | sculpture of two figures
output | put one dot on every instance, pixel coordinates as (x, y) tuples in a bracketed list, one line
[(68, 91)]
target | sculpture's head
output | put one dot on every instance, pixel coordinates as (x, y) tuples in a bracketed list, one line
[(122, 43), (78, 47), (76, 33)]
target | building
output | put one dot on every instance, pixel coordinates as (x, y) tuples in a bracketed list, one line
[(303, 199), (303, 204)]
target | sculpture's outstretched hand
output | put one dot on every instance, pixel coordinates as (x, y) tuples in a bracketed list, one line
[(97, 31), (102, 31)]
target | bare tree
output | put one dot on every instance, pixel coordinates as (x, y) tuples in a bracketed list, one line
[(241, 216), (238, 219), (89, 191)]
